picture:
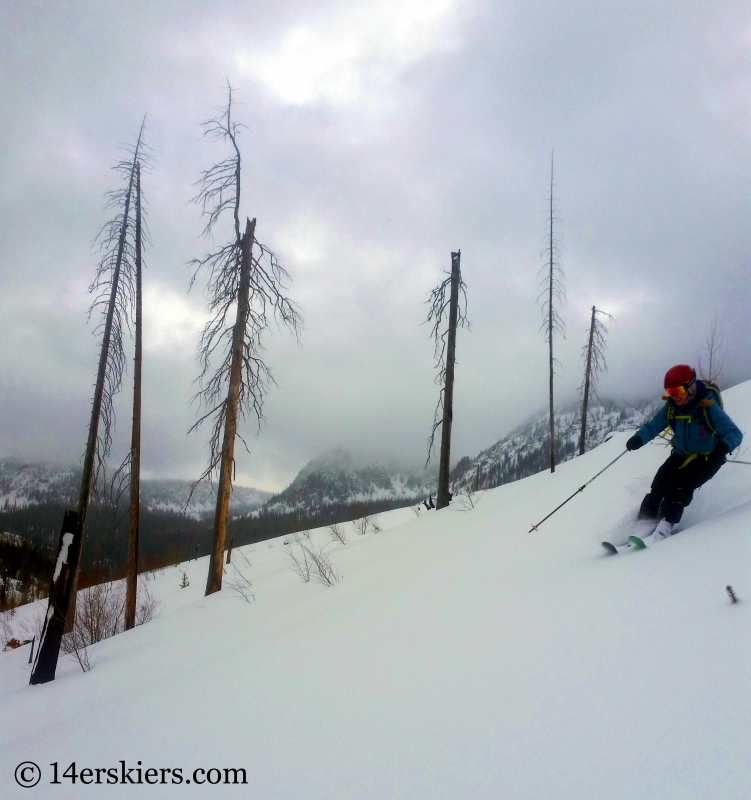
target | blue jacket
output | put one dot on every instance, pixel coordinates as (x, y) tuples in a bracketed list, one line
[(691, 434)]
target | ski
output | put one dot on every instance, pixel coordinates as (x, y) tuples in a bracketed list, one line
[(637, 543), (611, 548)]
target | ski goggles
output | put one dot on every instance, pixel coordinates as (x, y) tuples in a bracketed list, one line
[(676, 392)]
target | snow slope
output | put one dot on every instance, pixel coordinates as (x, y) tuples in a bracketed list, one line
[(458, 657)]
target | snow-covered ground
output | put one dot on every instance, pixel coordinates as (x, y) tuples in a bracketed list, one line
[(459, 656)]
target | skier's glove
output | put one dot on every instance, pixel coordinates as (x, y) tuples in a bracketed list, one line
[(634, 443), (720, 452)]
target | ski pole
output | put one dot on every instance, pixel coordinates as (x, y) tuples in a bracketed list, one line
[(735, 461), (580, 489)]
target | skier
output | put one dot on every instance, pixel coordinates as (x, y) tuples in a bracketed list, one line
[(703, 436)]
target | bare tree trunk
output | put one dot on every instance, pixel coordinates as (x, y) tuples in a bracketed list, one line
[(442, 499), (550, 327), (131, 593), (63, 591), (229, 550), (214, 581), (587, 379)]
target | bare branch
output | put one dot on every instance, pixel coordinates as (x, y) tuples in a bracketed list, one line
[(712, 361)]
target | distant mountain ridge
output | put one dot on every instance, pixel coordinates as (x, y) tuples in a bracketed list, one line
[(24, 484), (334, 479), (526, 450)]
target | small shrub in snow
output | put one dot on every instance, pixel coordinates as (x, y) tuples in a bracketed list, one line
[(33, 626), (184, 582), (100, 612), (468, 500), (323, 570), (299, 559), (310, 561), (239, 583), (367, 523), (731, 594), (6, 631), (148, 606), (362, 525), (74, 644), (337, 533)]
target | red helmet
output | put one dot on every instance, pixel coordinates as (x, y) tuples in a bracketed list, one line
[(680, 375)]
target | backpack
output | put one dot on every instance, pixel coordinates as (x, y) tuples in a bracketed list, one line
[(713, 396)]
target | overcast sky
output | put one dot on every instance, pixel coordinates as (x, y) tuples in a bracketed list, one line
[(381, 135)]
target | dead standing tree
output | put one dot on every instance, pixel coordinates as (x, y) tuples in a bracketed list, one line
[(445, 358), (131, 591), (253, 286), (553, 294), (594, 360), (113, 290)]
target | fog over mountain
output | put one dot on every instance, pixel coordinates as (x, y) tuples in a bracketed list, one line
[(336, 478)]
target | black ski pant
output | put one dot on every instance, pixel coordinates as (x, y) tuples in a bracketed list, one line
[(674, 485)]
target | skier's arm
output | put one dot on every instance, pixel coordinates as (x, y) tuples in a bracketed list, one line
[(655, 426), (726, 429)]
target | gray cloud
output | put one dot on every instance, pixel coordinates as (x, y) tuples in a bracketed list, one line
[(380, 137)]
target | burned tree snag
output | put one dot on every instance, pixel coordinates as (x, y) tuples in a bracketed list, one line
[(243, 277), (114, 284), (553, 293), (64, 605), (214, 581), (587, 378), (131, 592), (445, 357), (442, 498)]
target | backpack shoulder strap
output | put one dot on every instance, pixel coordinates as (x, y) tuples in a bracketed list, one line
[(670, 414), (713, 396)]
